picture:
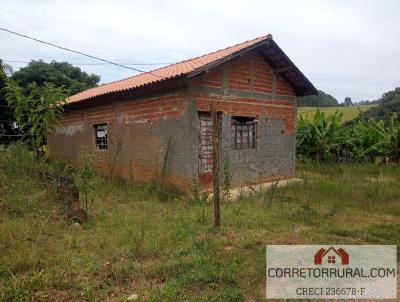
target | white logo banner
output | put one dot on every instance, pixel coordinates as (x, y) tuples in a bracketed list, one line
[(331, 272)]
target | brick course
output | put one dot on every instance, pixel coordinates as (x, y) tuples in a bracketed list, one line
[(140, 127)]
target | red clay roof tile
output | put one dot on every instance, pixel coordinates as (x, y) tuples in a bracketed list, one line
[(164, 73)]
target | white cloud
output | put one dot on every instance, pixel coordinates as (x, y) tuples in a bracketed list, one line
[(347, 48)]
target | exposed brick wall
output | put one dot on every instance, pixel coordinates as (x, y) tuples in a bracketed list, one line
[(250, 88), (240, 78), (212, 78), (71, 117), (139, 128), (283, 87), (152, 109), (246, 73), (99, 115), (250, 107), (136, 149), (262, 75), (239, 73)]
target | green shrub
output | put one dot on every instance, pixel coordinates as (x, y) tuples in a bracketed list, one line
[(324, 138)]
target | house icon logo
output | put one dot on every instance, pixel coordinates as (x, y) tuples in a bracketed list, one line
[(330, 256)]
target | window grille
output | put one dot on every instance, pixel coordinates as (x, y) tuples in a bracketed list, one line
[(205, 144), (243, 133), (101, 136)]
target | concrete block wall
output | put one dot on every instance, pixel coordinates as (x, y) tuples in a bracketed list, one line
[(140, 128), (247, 86), (140, 133)]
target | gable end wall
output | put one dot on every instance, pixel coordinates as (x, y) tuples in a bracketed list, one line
[(247, 86)]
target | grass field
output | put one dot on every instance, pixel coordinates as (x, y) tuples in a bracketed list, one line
[(348, 112), (166, 249)]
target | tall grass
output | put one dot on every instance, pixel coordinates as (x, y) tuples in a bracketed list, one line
[(166, 249)]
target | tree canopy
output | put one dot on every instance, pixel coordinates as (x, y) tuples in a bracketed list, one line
[(7, 126), (30, 98), (321, 100), (37, 113), (347, 101), (389, 103), (60, 74)]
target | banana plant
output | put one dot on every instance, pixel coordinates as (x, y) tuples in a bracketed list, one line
[(319, 137), (388, 138), (325, 138)]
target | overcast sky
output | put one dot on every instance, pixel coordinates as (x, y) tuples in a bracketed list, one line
[(346, 48)]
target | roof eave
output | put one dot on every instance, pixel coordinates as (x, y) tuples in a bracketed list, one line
[(310, 89), (149, 86)]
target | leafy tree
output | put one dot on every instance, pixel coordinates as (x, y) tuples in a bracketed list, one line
[(36, 113), (320, 100), (84, 177), (348, 102), (6, 68), (60, 74), (388, 104), (8, 130)]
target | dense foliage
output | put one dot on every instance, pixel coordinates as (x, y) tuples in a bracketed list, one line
[(389, 103), (30, 98), (36, 113), (323, 138), (8, 131), (320, 100), (136, 242), (60, 74)]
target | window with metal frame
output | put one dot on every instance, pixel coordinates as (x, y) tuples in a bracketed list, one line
[(205, 143), (243, 132), (101, 136)]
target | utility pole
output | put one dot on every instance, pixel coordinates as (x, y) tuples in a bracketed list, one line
[(216, 126)]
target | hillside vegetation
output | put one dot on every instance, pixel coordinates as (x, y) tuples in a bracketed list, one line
[(349, 113), (321, 100), (324, 138), (369, 133), (388, 104), (163, 247)]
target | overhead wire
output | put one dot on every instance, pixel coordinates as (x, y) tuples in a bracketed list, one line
[(75, 51), (89, 64)]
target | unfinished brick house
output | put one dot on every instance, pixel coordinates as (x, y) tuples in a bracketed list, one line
[(158, 123)]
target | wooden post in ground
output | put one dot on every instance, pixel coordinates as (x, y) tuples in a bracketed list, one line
[(215, 118)]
